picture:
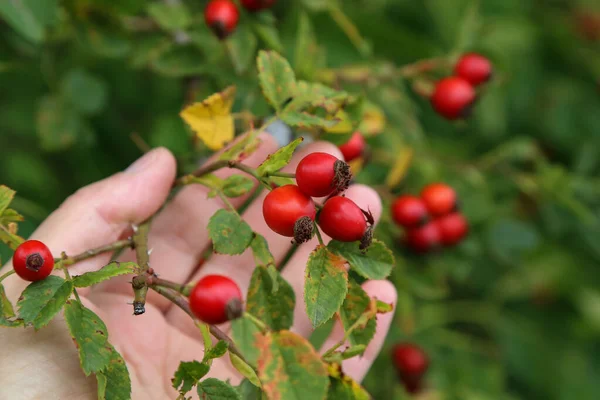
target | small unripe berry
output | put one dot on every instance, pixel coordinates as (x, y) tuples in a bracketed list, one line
[(216, 299), (257, 5), (33, 261), (409, 211), (474, 68), (453, 98), (410, 361), (222, 17), (439, 198), (453, 228), (321, 174), (343, 220), (354, 147), (423, 239), (284, 206)]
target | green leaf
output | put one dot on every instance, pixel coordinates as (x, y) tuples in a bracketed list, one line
[(42, 300), (108, 271), (114, 382), (290, 368), (217, 351), (326, 285), (376, 263), (214, 389), (244, 333), (277, 79), (188, 375), (6, 196), (241, 148), (9, 215), (356, 303), (249, 391), (170, 17), (243, 47), (86, 92), (346, 389), (275, 311), (303, 119), (279, 159), (244, 369), (7, 313), (60, 125), (509, 239), (29, 17), (237, 185), (230, 233), (261, 252), (269, 35), (90, 336)]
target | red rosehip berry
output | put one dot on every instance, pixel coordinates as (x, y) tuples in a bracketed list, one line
[(453, 98), (216, 299), (257, 5), (439, 198), (222, 17), (423, 239), (284, 207), (354, 147), (410, 361), (33, 261), (320, 174), (474, 68), (341, 219), (409, 211), (453, 228)]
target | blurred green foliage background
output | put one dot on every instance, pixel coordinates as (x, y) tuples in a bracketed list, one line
[(514, 311)]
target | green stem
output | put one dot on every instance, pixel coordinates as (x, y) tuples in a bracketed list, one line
[(6, 275), (349, 29), (138, 283), (259, 324), (318, 232), (121, 244), (349, 331), (68, 276), (283, 174), (185, 290)]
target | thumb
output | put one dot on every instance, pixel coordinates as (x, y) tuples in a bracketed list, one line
[(99, 213)]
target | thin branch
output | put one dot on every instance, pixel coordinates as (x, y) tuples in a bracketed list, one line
[(6, 275), (182, 303), (185, 290), (118, 245), (142, 253)]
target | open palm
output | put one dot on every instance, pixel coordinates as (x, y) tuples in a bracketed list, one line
[(45, 364)]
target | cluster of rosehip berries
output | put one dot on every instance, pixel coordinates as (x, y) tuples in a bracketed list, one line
[(215, 299), (290, 210), (453, 97), (411, 363), (222, 16), (431, 219)]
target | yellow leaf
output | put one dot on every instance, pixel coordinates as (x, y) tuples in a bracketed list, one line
[(373, 120), (400, 167), (356, 165), (211, 119), (344, 126)]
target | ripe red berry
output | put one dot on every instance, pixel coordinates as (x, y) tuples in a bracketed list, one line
[(409, 211), (439, 198), (257, 5), (410, 361), (320, 174), (423, 239), (453, 98), (342, 220), (216, 299), (474, 68), (354, 147), (284, 206), (222, 17), (33, 261), (453, 228)]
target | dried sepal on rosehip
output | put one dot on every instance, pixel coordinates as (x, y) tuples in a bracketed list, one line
[(321, 174), (216, 299), (33, 261)]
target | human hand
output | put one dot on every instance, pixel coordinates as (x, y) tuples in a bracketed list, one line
[(45, 364)]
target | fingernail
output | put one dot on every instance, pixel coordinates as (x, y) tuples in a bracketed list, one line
[(142, 163)]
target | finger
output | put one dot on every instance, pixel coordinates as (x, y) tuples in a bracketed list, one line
[(357, 367), (179, 234), (367, 199), (97, 214), (240, 268)]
